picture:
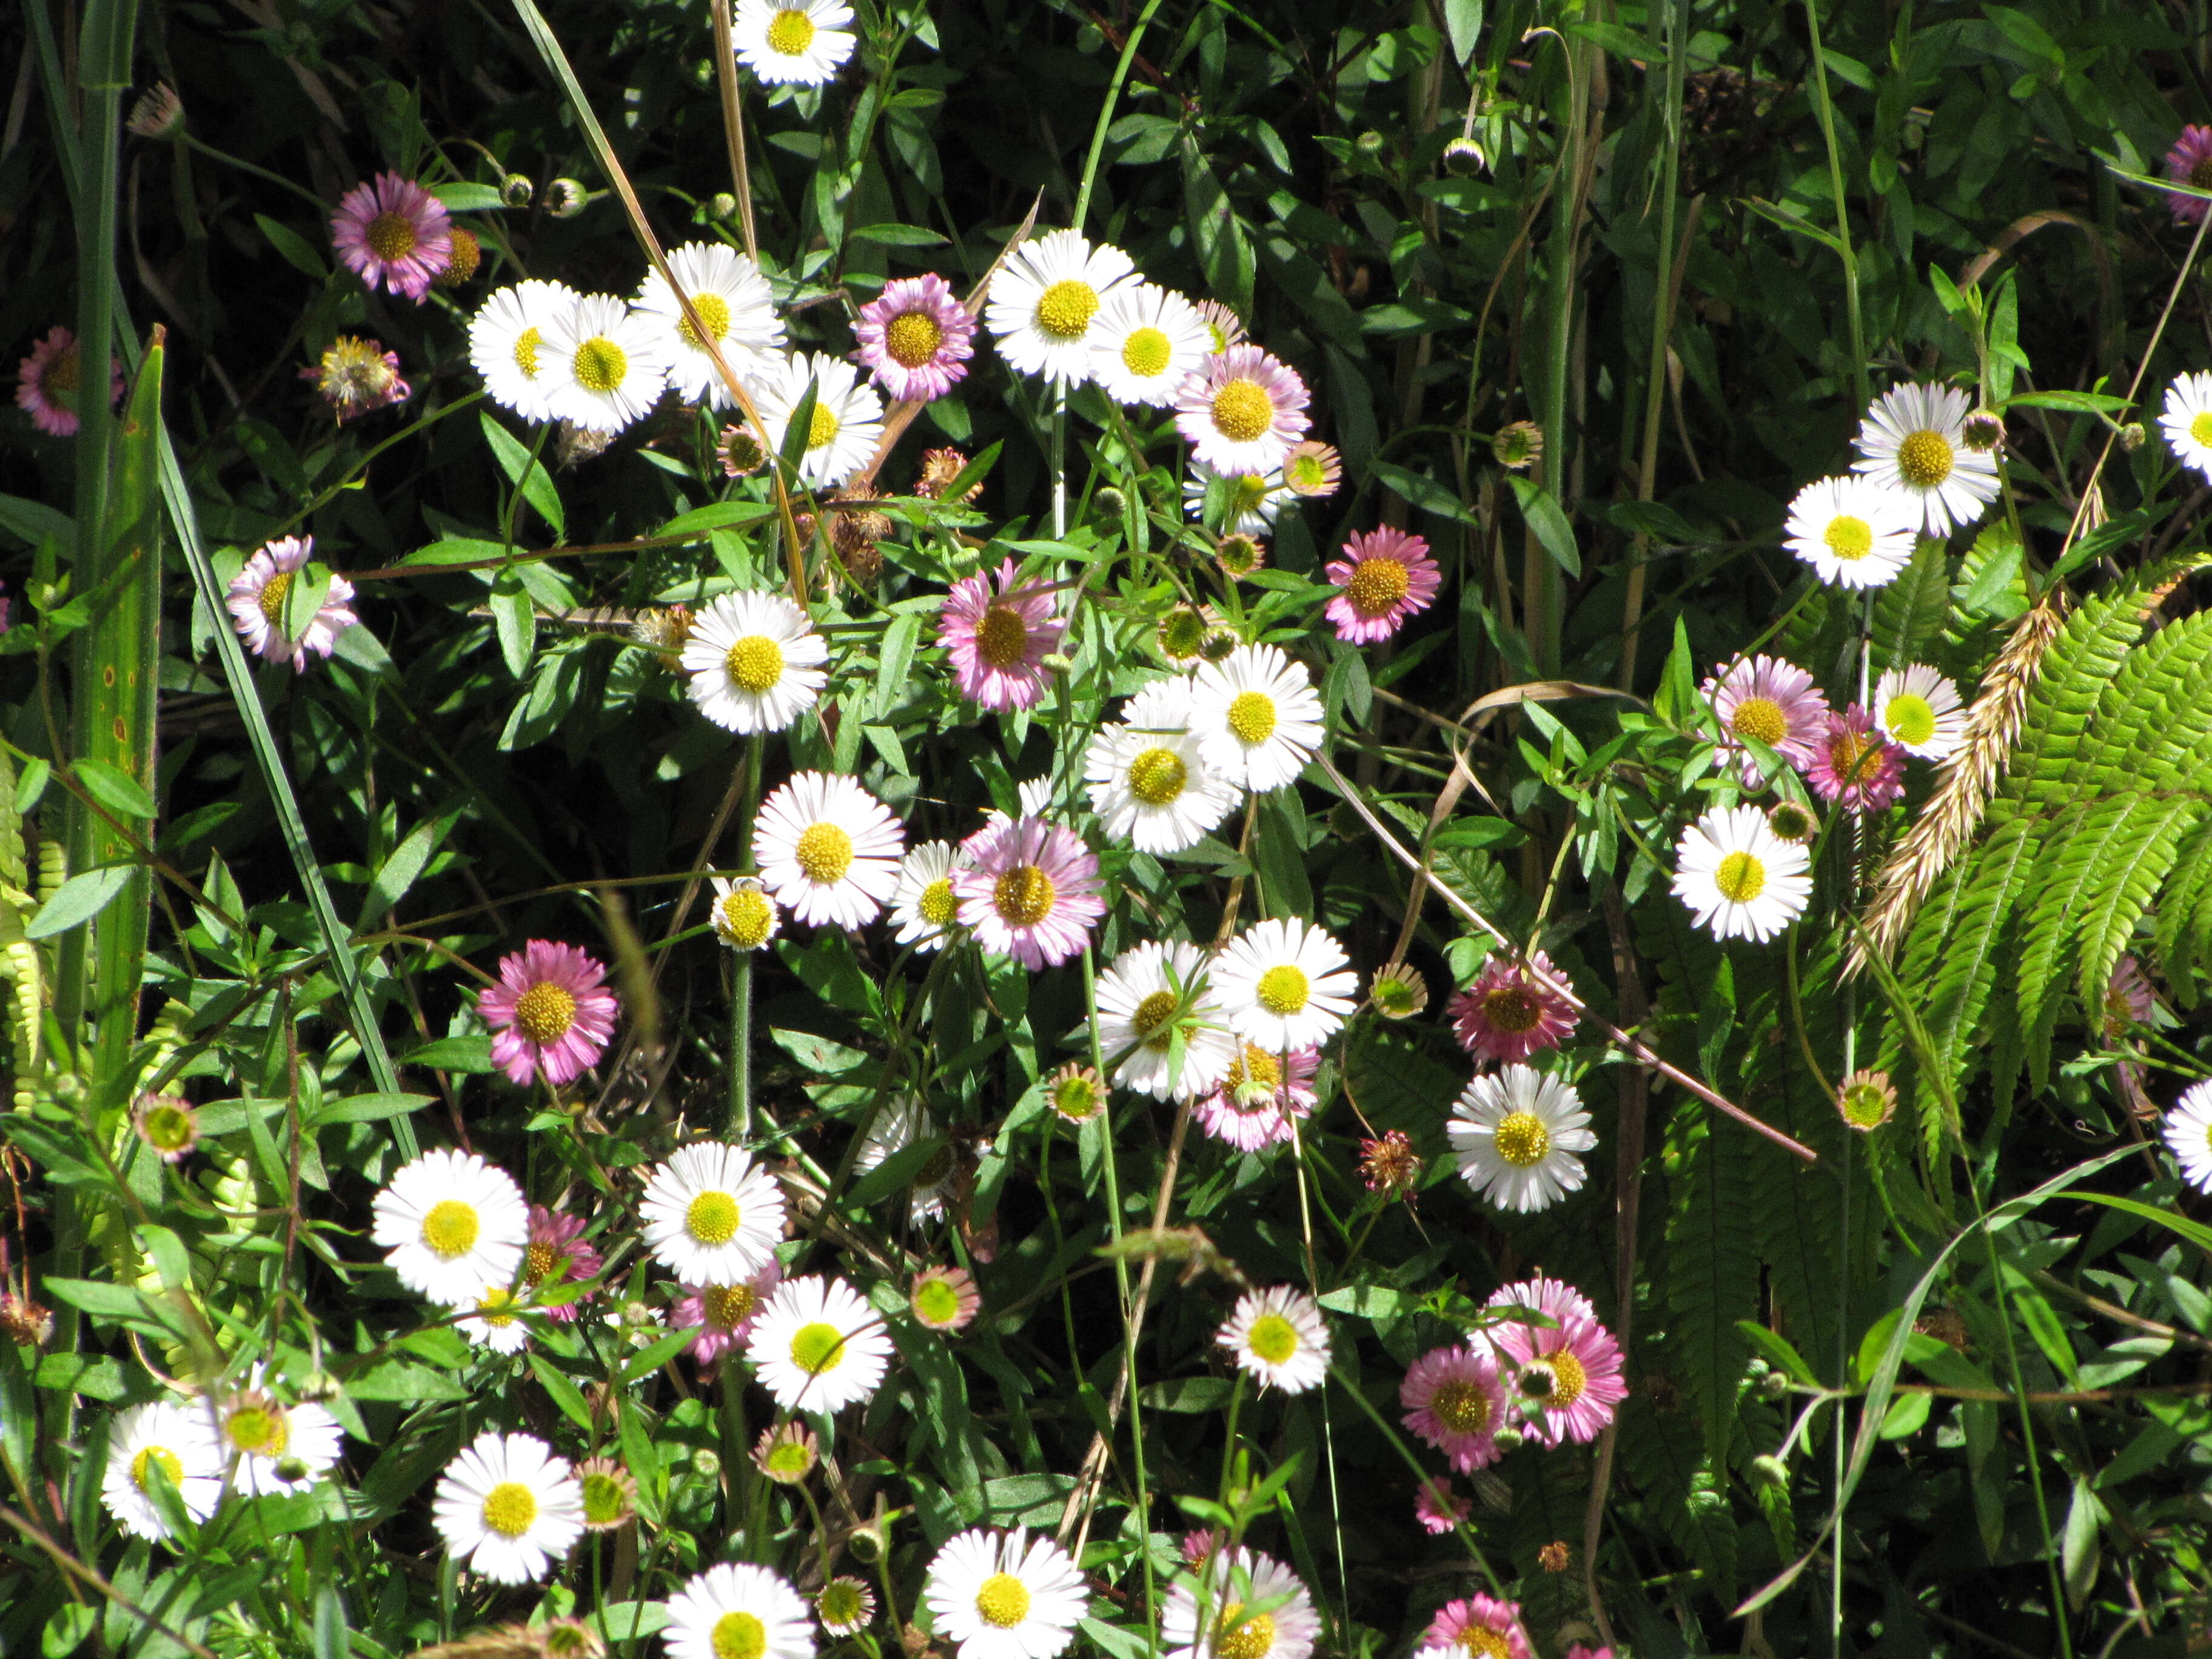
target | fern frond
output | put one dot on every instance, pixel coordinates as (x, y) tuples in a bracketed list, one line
[(1712, 1277), (2124, 891), (1659, 1452), (2184, 932), (1909, 613), (1958, 968)]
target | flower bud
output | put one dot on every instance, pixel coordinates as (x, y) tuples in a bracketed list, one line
[(1370, 142), (1109, 502), (2132, 435), (565, 198), (515, 190), (1773, 1385), (1509, 1438), (1463, 158), (724, 206)]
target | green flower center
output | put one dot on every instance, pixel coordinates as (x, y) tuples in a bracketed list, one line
[(545, 1012), (1273, 1338), (712, 1218), (818, 1348), (1023, 896), (606, 1502), (824, 854), (1375, 586), (1865, 1106), (912, 338), (601, 365), (1849, 539), (1521, 1140), (1144, 354), (1243, 411), (1740, 877), (714, 311), (1003, 1601), (390, 236), (790, 31), (742, 1635), (1923, 459), (1252, 717), (1283, 989), (258, 1431), (450, 1230), (936, 1302), (509, 1508), (1306, 474), (840, 1603), (1002, 638), (790, 1460), (1910, 718), (169, 1128), (1157, 776), (1064, 311), (754, 663)]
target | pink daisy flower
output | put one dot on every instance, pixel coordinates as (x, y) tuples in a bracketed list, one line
[(551, 1012), (1439, 1509), (2189, 162), (1255, 1105), (1571, 1371), (47, 383), (1029, 890), (723, 1314), (1242, 411), (1554, 1298), (1387, 576), (1479, 1627), (998, 637), (1855, 764), (355, 376), (1454, 1398), (558, 1254), (916, 337), (256, 602), (1508, 1013), (1201, 1541), (394, 233), (1771, 700)]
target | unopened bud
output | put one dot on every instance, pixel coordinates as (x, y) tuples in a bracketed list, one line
[(2132, 435), (1509, 1438), (724, 206), (1052, 662), (1370, 142), (565, 198), (515, 190), (1773, 1385), (1111, 503), (1463, 158), (707, 1463)]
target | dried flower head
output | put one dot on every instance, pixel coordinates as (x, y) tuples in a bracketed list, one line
[(1398, 991), (740, 452), (355, 376), (24, 1321), (168, 1124), (787, 1454), (1553, 1556), (664, 628), (159, 113), (1867, 1101), (1390, 1165), (1518, 446), (940, 471), (573, 445), (1985, 431)]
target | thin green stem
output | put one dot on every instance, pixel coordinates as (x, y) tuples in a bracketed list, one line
[(740, 1127), (1106, 111), (2028, 1436), (1825, 112)]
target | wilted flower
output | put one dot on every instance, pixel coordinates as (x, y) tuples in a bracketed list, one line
[(159, 113), (355, 376), (1856, 766), (1554, 1556), (1985, 431), (940, 471), (1390, 1165)]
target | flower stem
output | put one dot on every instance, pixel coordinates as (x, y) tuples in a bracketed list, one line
[(1822, 108), (740, 1125), (1106, 111)]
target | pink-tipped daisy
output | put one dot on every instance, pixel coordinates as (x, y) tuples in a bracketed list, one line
[(916, 337), (1772, 702), (1478, 1627), (47, 382), (1509, 1012), (551, 1012), (558, 1255), (394, 233), (1387, 576), (2189, 162), (944, 1298), (1856, 765), (723, 1314), (1030, 891), (1242, 411), (1439, 1509), (256, 599), (1454, 1398), (1569, 1372), (998, 635), (1259, 1103), (1554, 1298), (355, 376)]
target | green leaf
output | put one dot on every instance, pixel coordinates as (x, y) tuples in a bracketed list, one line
[(563, 1393), (896, 236), (331, 1642), (1422, 492), (400, 871), (294, 249), (1553, 533), (514, 619), (454, 1054), (527, 472), (365, 1108), (1217, 235), (115, 789), (78, 899), (304, 598), (404, 1380), (463, 197)]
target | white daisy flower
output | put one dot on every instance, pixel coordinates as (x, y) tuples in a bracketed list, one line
[(1260, 497), (745, 917), (2188, 1132), (923, 903), (2187, 421), (279, 1448), (1147, 342), (606, 364), (1278, 1336), (1149, 783), (1136, 999), (900, 1123), (755, 662), (711, 1215), (493, 1324), (1517, 1131), (1853, 532), (508, 1507), (817, 1346), (1045, 303), (732, 300), (1235, 1580), (1914, 439), (1005, 1595), (452, 1223), (1919, 711), (792, 42), (1738, 877), (1285, 985), (1257, 717), (848, 421), (736, 1609), (181, 1441), (827, 849), (507, 344)]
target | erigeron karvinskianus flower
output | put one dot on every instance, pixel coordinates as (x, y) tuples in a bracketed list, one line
[(47, 383), (451, 1223), (1255, 1609), (755, 662), (1914, 439), (1517, 1132), (2189, 162), (1046, 303), (2186, 418), (178, 1439), (745, 916), (817, 1346), (1256, 499), (255, 596), (916, 337), (788, 1454), (711, 1215), (1738, 877), (923, 903), (943, 1299), (733, 301), (1455, 1398), (492, 1322), (1285, 985), (508, 345), (278, 1448), (736, 1610), (1854, 765), (847, 419), (508, 1508), (1866, 1100), (557, 1253), (2187, 1132), (792, 42), (846, 1606), (827, 849), (1476, 1627), (1278, 1336), (1029, 891), (608, 1492), (1003, 1595), (1257, 717), (1148, 341), (1512, 1010), (724, 1315), (998, 632), (1239, 553), (1138, 998), (394, 233), (355, 376), (551, 1013), (1387, 576), (463, 258), (1853, 532), (1771, 701), (1919, 711), (1312, 469), (1242, 409), (1568, 1370), (1397, 991), (1260, 1099), (1075, 1093), (1439, 1509), (168, 1125), (605, 366), (900, 1122)]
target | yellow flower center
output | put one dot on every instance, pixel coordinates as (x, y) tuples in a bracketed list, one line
[(1849, 539), (937, 904), (936, 1302), (1510, 1008), (1273, 1338), (258, 1430), (911, 338), (741, 1635), (1023, 896), (61, 374), (754, 663), (1236, 1637), (1254, 1066), (712, 1218), (1923, 459), (728, 1305), (1283, 988), (818, 1348), (545, 1012), (1376, 585), (2201, 427), (1761, 718), (607, 1500), (1910, 719), (509, 1508), (746, 918), (822, 429), (1144, 354), (601, 365), (1157, 776), (1849, 755), (1521, 1140), (824, 854), (1484, 1643), (1243, 411), (526, 351), (538, 1258), (1002, 638), (494, 1308), (172, 1465), (714, 311), (1003, 1600), (1569, 1379), (1150, 1020), (1252, 717), (450, 1230), (790, 31), (390, 236), (271, 601), (1740, 877), (1065, 310), (1462, 1406)]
